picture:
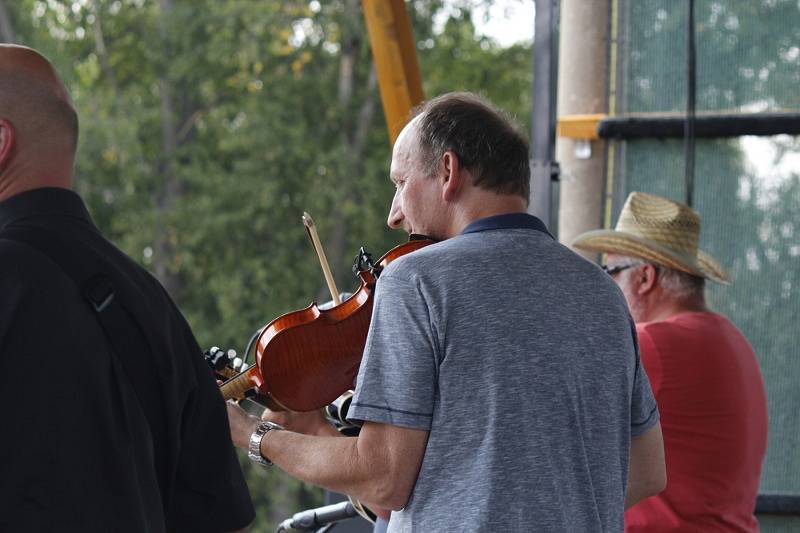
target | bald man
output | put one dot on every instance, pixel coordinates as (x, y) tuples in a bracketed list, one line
[(115, 423)]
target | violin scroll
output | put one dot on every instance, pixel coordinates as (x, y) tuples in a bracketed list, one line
[(224, 363)]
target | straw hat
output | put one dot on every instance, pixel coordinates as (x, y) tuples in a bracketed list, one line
[(659, 231)]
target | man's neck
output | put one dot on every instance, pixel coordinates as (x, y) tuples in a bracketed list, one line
[(484, 204), (666, 307), (19, 178), (7, 190)]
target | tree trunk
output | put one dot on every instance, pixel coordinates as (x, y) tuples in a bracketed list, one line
[(354, 135), (108, 72), (7, 34), (100, 46), (172, 188)]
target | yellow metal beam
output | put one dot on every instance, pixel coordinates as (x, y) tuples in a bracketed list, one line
[(395, 59), (580, 126)]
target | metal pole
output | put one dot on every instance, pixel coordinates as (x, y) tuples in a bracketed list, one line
[(582, 89), (544, 170), (691, 84)]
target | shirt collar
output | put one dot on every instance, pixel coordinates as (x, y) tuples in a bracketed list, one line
[(46, 201), (507, 221)]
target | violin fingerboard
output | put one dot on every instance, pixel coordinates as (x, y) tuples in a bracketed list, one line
[(236, 388)]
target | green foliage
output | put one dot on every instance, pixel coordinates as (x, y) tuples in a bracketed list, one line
[(208, 127), (457, 60)]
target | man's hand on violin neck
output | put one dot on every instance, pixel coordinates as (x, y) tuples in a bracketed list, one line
[(242, 425)]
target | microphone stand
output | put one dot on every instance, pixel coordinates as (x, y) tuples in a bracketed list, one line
[(320, 519)]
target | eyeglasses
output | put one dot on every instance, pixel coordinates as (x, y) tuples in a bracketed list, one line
[(614, 270)]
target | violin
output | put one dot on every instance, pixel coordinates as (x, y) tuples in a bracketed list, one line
[(307, 358)]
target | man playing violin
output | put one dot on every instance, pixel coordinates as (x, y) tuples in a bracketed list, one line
[(500, 388), (116, 423)]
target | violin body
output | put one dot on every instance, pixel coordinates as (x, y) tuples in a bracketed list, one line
[(307, 358), (322, 347)]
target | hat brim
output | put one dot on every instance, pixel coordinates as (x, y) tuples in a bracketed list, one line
[(619, 242)]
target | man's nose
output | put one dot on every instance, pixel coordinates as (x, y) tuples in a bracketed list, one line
[(395, 220)]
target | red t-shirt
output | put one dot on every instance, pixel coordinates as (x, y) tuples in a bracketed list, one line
[(710, 395)]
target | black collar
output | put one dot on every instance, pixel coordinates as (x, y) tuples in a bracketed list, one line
[(47, 201), (507, 221)]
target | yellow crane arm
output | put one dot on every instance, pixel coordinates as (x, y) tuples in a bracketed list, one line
[(395, 59)]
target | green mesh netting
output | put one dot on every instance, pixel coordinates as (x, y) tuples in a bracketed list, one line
[(748, 55), (747, 189)]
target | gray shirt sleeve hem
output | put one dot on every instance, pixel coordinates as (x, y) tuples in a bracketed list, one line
[(387, 415), (641, 428)]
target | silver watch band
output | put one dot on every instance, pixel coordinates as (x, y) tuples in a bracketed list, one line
[(254, 448)]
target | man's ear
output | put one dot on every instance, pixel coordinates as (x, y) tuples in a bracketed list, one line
[(450, 170), (647, 279), (8, 137)]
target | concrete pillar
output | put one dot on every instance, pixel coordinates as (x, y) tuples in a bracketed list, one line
[(582, 89)]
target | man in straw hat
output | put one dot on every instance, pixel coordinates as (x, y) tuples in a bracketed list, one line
[(704, 373), (121, 426)]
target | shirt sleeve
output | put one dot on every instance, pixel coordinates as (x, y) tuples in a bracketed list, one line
[(644, 412), (397, 380)]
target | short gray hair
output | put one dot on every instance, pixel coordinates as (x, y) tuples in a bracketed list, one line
[(486, 140), (678, 283)]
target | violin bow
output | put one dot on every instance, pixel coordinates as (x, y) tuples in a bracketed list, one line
[(311, 229)]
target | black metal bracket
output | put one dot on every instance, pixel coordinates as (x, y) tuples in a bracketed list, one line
[(707, 125), (363, 262), (783, 504)]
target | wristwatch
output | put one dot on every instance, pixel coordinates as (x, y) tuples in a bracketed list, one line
[(254, 449)]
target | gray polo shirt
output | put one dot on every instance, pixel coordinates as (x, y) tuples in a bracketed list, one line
[(520, 359)]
